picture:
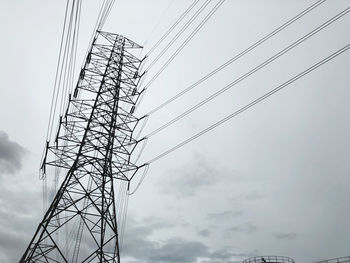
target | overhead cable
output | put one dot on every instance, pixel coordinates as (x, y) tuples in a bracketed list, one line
[(251, 104), (68, 80), (141, 180), (105, 13), (241, 54), (66, 58), (184, 43), (181, 17), (252, 71), (57, 68), (150, 35), (178, 34)]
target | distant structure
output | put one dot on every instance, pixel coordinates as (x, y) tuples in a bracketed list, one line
[(336, 260), (281, 259), (269, 259), (94, 144)]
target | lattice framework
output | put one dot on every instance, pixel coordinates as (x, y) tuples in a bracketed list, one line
[(94, 145)]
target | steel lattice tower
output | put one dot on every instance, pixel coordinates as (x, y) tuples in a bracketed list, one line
[(94, 144)]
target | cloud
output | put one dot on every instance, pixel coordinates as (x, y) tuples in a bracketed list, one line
[(286, 236), (253, 196), (227, 255), (225, 215), (12, 244), (188, 180), (11, 154), (140, 246), (19, 217), (204, 233), (246, 228), (178, 250)]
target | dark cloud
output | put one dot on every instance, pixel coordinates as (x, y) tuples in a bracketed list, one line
[(19, 215), (286, 236), (204, 233), (11, 154), (12, 244), (178, 250), (141, 246)]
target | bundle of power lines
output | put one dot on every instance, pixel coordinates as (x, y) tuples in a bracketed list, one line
[(234, 58)]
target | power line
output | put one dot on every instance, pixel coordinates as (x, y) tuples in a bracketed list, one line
[(182, 16), (101, 19), (95, 28), (67, 54), (251, 104), (177, 51), (141, 180), (150, 35), (241, 54), (105, 13), (193, 33), (178, 34), (65, 62), (69, 77), (65, 65), (236, 57), (252, 71), (57, 68)]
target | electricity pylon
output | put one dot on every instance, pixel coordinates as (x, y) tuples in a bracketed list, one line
[(94, 144)]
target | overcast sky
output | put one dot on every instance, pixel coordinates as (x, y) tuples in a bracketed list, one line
[(273, 181)]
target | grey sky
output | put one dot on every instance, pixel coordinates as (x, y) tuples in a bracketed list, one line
[(275, 180), (11, 155)]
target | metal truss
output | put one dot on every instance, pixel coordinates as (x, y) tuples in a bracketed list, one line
[(269, 259), (336, 260), (93, 145)]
